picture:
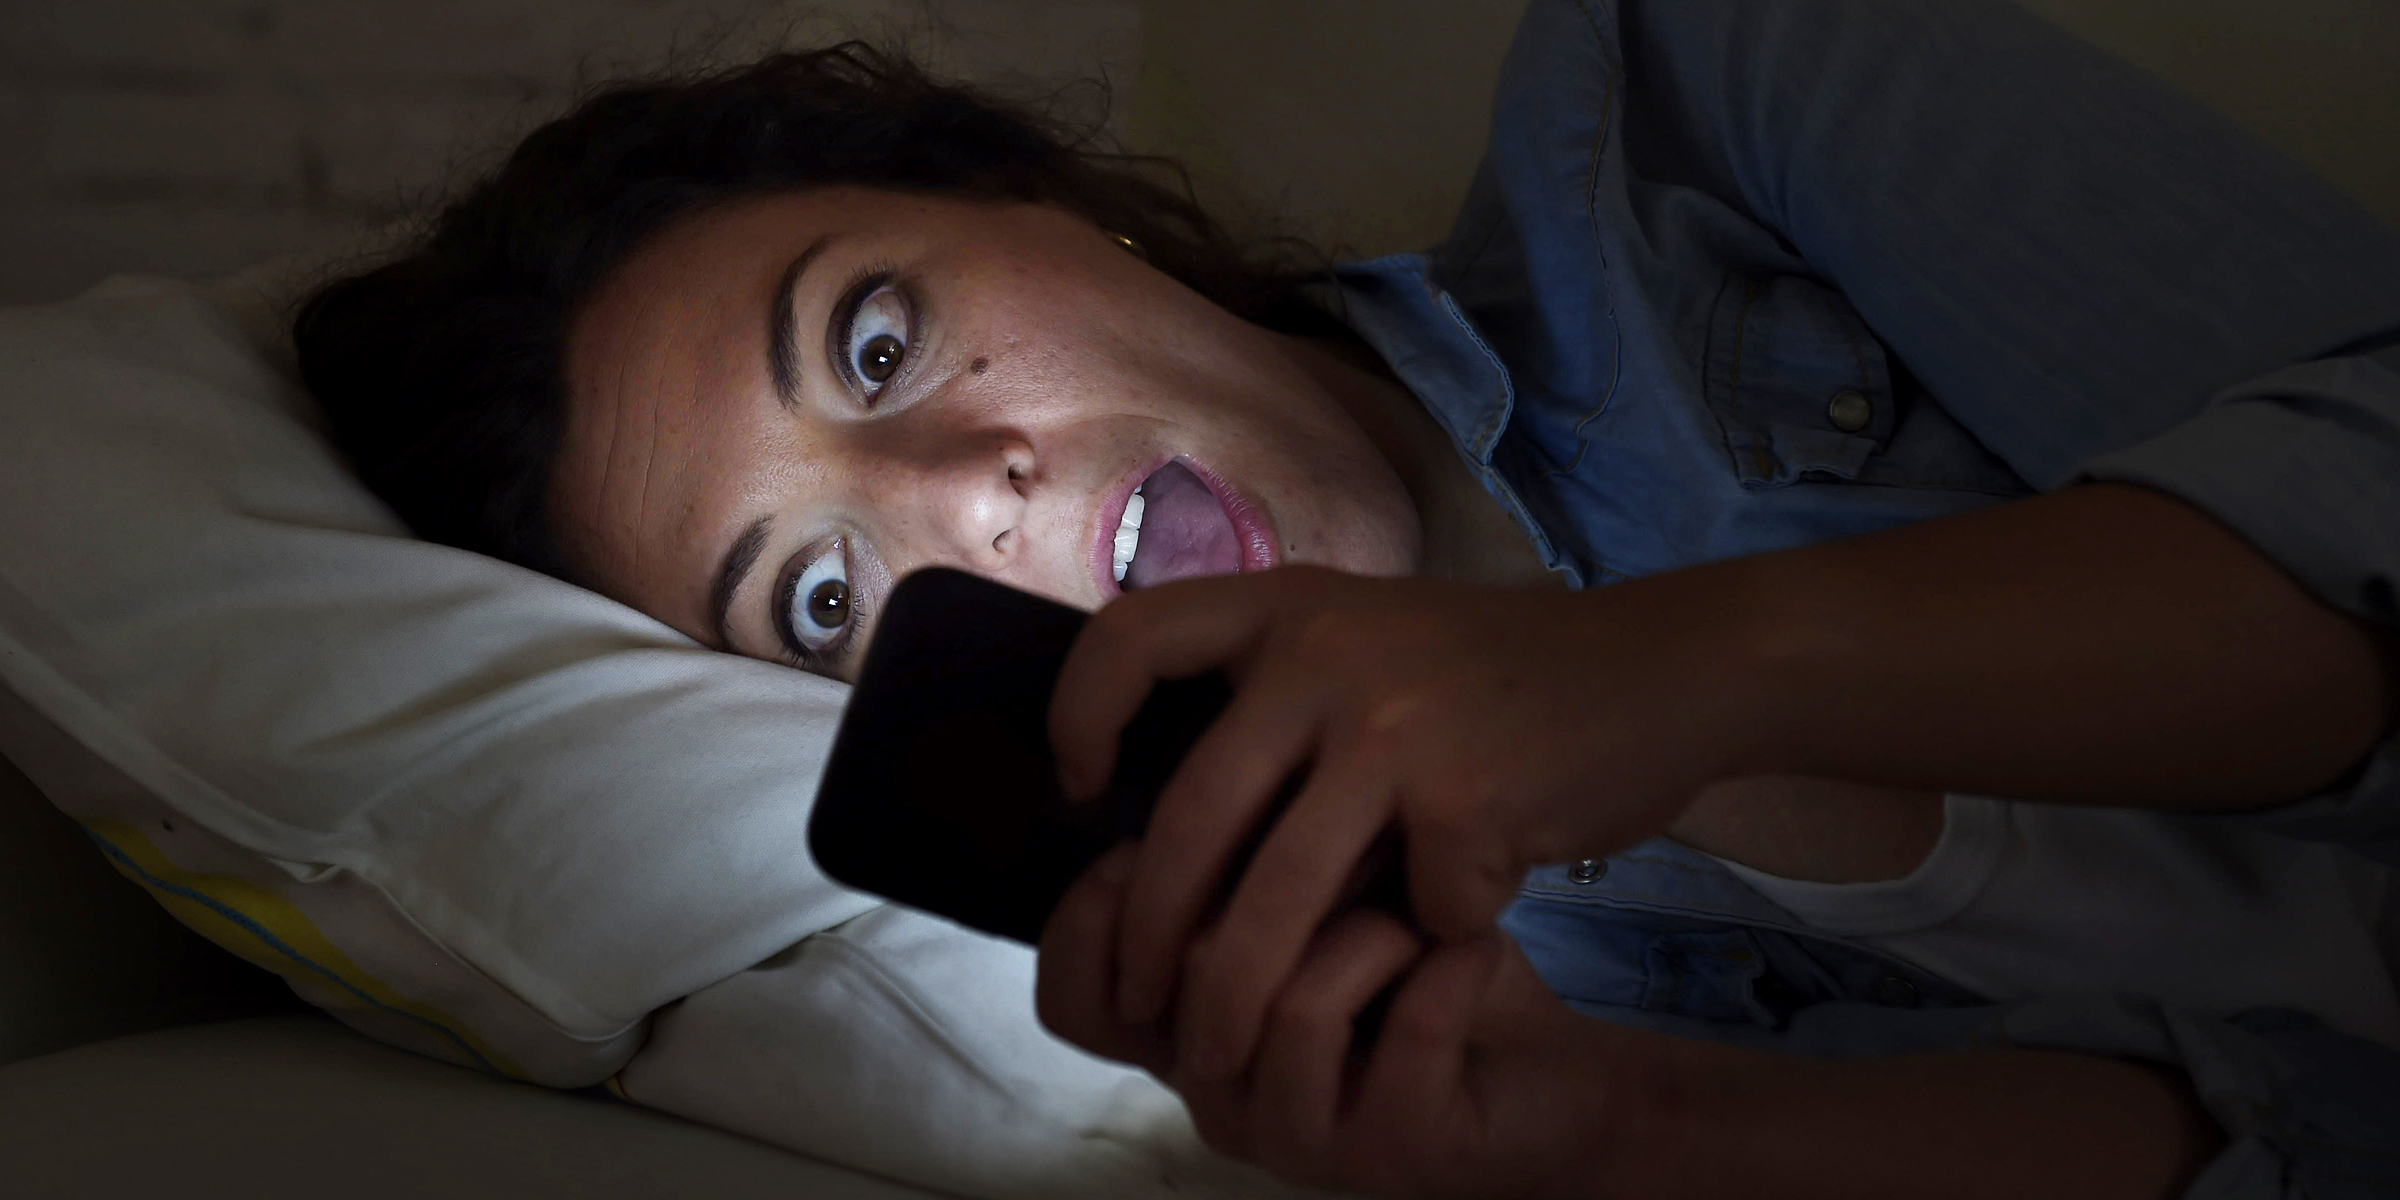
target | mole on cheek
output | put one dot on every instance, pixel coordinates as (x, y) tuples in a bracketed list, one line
[(980, 365)]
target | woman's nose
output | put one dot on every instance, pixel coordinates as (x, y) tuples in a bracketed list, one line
[(979, 499)]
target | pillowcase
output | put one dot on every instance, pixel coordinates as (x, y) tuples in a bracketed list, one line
[(472, 810), (490, 815)]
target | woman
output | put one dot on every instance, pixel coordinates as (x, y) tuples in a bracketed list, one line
[(1947, 414)]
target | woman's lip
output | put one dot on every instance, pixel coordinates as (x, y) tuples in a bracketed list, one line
[(1250, 527)]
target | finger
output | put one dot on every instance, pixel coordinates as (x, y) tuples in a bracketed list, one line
[(1075, 968), (1221, 1113), (1305, 1051), (1174, 631), (1459, 879), (1205, 815), (1461, 871), (1416, 1073), (1300, 871), (1171, 632)]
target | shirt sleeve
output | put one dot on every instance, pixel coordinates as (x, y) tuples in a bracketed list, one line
[(2099, 278), (2305, 464)]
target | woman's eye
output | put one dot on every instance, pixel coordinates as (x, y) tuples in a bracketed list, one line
[(821, 602), (878, 339)]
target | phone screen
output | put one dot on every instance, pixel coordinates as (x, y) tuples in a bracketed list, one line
[(941, 792)]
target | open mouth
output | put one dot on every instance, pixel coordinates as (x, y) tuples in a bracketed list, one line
[(1174, 527)]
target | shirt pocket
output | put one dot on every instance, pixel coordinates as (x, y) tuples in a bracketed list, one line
[(1803, 391), (1617, 958)]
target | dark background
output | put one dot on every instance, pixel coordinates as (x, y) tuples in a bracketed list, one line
[(197, 137)]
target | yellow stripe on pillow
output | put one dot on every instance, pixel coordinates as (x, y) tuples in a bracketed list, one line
[(268, 930)]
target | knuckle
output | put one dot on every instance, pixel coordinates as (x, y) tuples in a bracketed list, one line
[(1225, 992), (1204, 967), (1428, 700), (1416, 1025), (1116, 630), (1322, 633), (1303, 1011), (1391, 716), (1390, 936), (1277, 872), (1199, 957)]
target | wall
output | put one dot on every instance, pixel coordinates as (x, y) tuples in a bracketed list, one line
[(1353, 122), (194, 137), (2319, 78)]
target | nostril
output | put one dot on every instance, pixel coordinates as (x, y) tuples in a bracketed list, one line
[(1000, 543)]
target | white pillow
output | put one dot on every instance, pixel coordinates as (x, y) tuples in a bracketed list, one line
[(473, 810)]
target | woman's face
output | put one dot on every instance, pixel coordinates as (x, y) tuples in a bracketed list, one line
[(779, 407)]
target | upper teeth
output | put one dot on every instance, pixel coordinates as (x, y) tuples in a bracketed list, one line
[(1129, 535)]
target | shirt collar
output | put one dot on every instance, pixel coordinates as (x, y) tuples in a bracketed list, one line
[(1393, 303), (1425, 337)]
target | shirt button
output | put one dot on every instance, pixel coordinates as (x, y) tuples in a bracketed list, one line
[(1588, 871), (1891, 991), (1849, 411)]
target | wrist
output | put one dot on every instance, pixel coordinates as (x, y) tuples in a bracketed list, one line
[(2102, 644), (1665, 1110), (1750, 657), (1967, 1124)]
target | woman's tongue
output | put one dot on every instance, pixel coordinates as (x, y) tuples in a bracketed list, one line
[(1185, 532)]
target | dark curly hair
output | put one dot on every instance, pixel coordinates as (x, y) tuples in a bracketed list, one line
[(441, 371)]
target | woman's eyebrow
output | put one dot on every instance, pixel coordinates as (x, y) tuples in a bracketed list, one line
[(783, 351), (731, 571)]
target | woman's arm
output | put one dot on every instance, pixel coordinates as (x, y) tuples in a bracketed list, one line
[(1964, 1125), (2104, 644)]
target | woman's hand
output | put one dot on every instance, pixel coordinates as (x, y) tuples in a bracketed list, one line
[(2102, 644), (1480, 1083), (1495, 728)]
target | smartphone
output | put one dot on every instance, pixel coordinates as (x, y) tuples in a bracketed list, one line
[(942, 793)]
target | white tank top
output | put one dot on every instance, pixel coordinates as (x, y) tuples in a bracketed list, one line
[(2020, 900)]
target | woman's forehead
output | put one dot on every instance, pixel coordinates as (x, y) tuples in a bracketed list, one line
[(671, 418), (691, 297)]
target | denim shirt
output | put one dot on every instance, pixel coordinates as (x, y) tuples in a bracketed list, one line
[(1742, 275)]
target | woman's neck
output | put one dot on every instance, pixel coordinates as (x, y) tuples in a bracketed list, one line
[(1464, 533)]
